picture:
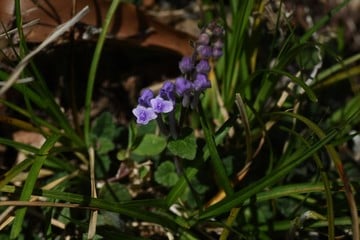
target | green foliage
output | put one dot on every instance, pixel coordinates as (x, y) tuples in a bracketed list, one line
[(103, 135), (275, 165), (166, 175), (115, 193), (184, 146), (150, 145)]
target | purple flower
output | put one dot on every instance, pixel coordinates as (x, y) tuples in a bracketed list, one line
[(217, 53), (218, 44), (203, 67), (160, 105), (182, 86), (186, 64), (144, 114), (145, 97), (203, 39), (204, 51), (201, 82), (167, 91), (218, 31)]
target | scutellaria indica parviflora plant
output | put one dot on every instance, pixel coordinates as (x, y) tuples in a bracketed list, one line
[(185, 92)]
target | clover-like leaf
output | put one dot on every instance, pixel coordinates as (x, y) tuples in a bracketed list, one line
[(150, 145), (165, 174), (185, 146)]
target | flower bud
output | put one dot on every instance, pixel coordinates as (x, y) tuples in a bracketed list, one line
[(217, 53), (203, 67), (182, 86), (204, 51), (203, 39), (201, 82), (186, 65)]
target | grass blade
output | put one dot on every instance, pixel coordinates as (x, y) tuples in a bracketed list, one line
[(93, 68), (39, 159), (221, 177), (238, 198)]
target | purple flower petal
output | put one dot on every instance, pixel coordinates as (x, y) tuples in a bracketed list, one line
[(186, 64), (203, 67), (201, 82), (144, 114), (203, 39), (204, 51), (217, 53), (145, 97), (218, 31), (167, 91), (161, 106), (218, 44), (182, 86)]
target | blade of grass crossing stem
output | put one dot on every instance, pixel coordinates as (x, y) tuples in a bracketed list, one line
[(339, 66), (18, 146), (18, 18), (54, 109), (221, 177), (245, 121), (14, 171), (326, 182), (229, 222), (339, 166), (241, 11), (180, 186), (94, 66), (40, 121), (239, 197), (311, 95), (39, 160), (341, 75), (287, 190), (268, 82), (242, 110)]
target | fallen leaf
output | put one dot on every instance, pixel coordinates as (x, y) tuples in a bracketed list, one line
[(130, 23)]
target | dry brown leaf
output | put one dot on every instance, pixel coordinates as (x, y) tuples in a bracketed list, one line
[(129, 23)]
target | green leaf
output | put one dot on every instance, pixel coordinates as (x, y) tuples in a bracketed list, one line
[(184, 147), (115, 192), (107, 218), (308, 58), (104, 145), (166, 175), (104, 126), (102, 166), (150, 145)]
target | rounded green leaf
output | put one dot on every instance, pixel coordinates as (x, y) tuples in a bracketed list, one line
[(150, 145), (166, 175), (185, 146)]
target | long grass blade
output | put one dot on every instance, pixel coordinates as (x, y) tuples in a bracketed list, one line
[(239, 197), (221, 177), (339, 166), (94, 66), (39, 160)]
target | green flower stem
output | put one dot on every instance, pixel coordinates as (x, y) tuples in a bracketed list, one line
[(93, 69)]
